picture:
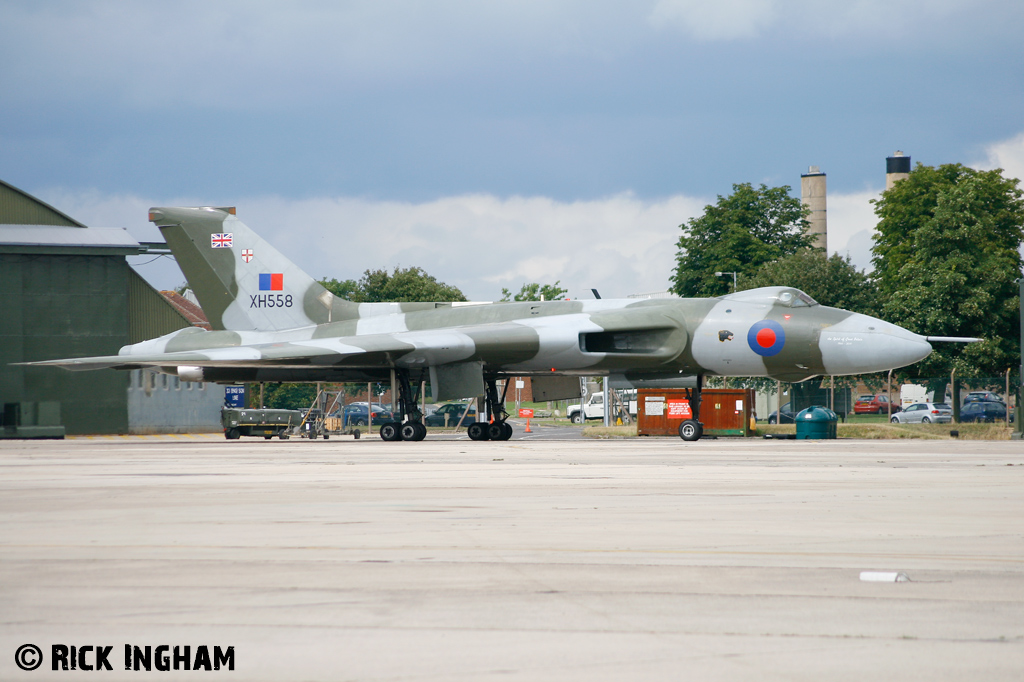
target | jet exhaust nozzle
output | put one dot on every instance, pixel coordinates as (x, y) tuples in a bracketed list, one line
[(190, 373)]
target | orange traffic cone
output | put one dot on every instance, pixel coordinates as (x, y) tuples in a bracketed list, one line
[(528, 425)]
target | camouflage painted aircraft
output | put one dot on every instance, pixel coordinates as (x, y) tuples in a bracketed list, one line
[(273, 322)]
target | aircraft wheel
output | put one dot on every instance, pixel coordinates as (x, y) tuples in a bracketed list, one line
[(506, 431), (894, 420), (577, 418), (926, 420), (409, 431), (421, 431), (356, 434), (327, 436), (690, 430), (495, 431), (232, 434), (477, 431), (390, 432)]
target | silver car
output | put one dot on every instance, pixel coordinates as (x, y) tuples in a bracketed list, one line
[(924, 413)]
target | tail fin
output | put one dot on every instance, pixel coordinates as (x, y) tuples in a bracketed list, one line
[(241, 281)]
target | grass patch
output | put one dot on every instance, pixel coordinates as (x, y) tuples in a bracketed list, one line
[(885, 430), (610, 431), (867, 418)]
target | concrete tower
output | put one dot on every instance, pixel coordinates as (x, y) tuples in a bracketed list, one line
[(897, 167), (812, 194)]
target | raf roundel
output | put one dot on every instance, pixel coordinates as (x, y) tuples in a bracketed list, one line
[(766, 338)]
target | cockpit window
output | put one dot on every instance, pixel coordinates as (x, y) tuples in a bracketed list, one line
[(806, 299), (796, 299), (789, 297)]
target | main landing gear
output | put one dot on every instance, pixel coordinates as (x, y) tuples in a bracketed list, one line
[(691, 429), (412, 428), (498, 429)]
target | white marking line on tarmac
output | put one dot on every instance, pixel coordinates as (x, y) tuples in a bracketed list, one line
[(884, 577)]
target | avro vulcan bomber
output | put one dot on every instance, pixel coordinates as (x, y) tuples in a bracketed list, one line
[(272, 322)]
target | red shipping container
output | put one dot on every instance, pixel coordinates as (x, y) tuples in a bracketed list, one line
[(723, 411)]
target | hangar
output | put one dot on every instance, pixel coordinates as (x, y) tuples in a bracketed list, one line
[(67, 290)]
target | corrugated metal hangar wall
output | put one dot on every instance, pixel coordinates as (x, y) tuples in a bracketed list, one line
[(66, 293)]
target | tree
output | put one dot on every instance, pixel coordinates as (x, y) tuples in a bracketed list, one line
[(347, 289), (536, 292), (403, 285), (946, 256), (739, 233), (832, 281), (286, 396)]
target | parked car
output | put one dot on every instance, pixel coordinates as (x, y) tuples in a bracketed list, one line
[(924, 413), (355, 414), (983, 396), (987, 411), (877, 403), (788, 416), (376, 406), (454, 412)]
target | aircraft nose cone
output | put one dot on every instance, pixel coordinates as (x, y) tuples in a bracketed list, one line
[(902, 351), (862, 344)]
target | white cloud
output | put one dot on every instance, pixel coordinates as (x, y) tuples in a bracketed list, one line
[(619, 245), (1008, 155), (719, 20), (740, 19), (481, 243), (851, 224)]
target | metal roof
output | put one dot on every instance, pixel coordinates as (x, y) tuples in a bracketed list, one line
[(58, 239), (21, 208)]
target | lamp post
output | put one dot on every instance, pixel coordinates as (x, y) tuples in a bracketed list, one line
[(1018, 429), (719, 274)]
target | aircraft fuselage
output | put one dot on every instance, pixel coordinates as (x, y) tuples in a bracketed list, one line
[(753, 333)]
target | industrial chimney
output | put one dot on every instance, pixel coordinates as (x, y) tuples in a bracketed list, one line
[(897, 167), (812, 194)]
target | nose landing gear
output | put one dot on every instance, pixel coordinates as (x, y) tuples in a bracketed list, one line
[(691, 429)]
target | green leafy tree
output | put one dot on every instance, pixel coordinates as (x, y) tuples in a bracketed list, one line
[(946, 257), (832, 281), (402, 285), (286, 396), (536, 292), (347, 288), (739, 233)]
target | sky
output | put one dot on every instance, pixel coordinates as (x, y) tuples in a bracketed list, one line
[(495, 143)]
